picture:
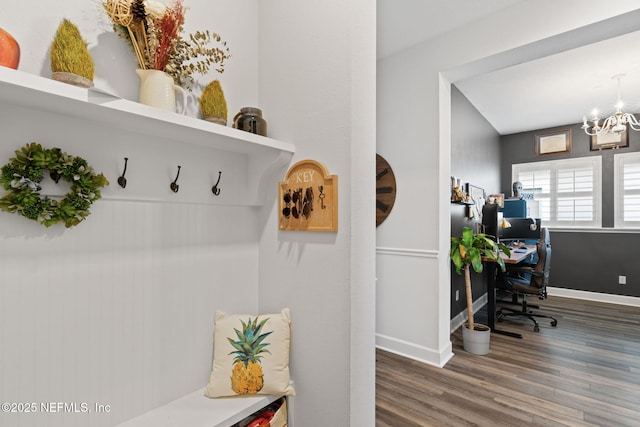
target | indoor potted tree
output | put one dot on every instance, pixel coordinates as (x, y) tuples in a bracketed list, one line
[(467, 251)]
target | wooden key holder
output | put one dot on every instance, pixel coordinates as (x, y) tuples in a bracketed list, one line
[(308, 198)]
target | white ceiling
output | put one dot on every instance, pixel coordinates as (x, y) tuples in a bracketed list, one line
[(403, 23), (553, 91)]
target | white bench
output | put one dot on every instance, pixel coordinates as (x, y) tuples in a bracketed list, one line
[(197, 410)]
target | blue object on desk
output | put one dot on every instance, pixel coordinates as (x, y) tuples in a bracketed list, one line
[(514, 208)]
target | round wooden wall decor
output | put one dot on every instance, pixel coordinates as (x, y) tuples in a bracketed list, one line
[(385, 189)]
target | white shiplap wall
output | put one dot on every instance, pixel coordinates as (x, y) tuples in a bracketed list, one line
[(118, 311)]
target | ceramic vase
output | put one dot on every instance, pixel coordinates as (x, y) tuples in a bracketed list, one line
[(9, 50), (157, 89)]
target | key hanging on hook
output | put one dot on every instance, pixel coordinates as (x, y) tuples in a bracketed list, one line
[(321, 196), (215, 190), (174, 185), (122, 181)]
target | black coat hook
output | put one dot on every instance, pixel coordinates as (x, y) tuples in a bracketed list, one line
[(174, 185), (215, 190), (122, 181)]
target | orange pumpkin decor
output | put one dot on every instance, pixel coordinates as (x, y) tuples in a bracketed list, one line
[(9, 50)]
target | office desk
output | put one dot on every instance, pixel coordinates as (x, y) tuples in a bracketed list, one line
[(515, 258)]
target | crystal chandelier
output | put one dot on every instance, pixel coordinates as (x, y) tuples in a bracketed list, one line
[(616, 123)]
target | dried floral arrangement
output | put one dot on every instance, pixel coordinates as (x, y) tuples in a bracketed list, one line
[(154, 31)]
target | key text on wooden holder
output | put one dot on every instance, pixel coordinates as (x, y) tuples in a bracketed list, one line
[(308, 198)]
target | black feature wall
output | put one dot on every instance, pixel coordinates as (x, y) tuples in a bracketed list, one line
[(589, 260)]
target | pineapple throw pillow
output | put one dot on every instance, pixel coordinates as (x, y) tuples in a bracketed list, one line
[(251, 355)]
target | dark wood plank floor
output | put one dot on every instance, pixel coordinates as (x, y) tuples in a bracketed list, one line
[(584, 372)]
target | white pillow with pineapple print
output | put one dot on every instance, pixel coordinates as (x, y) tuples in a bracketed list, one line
[(251, 355)]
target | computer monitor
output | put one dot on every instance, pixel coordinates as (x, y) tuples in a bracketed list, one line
[(521, 229), (490, 219)]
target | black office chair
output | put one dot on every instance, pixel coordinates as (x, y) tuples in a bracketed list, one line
[(528, 279)]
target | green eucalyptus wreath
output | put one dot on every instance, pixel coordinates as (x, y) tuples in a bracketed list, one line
[(22, 175)]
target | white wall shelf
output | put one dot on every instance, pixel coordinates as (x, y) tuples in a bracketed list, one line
[(197, 410), (262, 155)]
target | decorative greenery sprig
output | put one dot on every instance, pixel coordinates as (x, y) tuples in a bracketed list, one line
[(154, 32), (22, 175), (194, 56)]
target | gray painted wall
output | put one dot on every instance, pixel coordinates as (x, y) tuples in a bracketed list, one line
[(584, 260), (475, 145), (475, 158), (593, 261)]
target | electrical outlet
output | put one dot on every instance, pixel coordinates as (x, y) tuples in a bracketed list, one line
[(622, 280), (457, 294)]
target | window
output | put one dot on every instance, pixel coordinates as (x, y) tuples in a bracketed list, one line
[(627, 190), (568, 191)]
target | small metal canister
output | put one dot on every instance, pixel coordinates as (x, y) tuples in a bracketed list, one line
[(250, 119)]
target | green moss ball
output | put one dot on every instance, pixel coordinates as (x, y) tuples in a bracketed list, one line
[(69, 52)]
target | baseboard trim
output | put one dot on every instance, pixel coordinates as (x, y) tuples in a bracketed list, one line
[(414, 351), (462, 317), (595, 296)]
